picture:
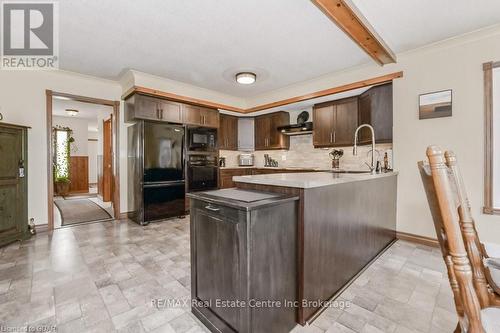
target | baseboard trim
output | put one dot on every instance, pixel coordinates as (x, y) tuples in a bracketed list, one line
[(41, 227), (417, 239)]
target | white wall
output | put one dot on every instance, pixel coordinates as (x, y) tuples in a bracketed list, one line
[(92, 150), (22, 101), (454, 64), (179, 88), (80, 133)]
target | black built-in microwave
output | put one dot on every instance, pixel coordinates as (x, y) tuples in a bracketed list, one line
[(202, 139)]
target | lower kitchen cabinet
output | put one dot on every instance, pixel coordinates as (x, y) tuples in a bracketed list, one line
[(243, 252), (226, 176)]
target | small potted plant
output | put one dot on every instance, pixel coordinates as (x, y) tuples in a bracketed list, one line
[(62, 186), (63, 140)]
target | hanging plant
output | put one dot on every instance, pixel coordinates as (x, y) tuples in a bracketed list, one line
[(62, 153)]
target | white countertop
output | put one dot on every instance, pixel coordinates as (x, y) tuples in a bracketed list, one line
[(308, 179), (270, 168)]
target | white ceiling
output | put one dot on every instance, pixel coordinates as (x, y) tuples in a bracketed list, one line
[(408, 24), (205, 42), (87, 111)]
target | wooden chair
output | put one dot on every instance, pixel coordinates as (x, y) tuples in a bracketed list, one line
[(444, 199), (486, 270)]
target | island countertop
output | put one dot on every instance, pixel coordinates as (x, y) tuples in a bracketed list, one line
[(308, 179)]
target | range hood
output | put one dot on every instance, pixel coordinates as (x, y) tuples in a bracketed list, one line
[(297, 129)]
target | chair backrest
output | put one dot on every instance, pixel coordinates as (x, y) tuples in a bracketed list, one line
[(469, 233), (425, 174), (451, 213)]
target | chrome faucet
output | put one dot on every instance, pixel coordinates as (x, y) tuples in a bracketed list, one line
[(355, 148)]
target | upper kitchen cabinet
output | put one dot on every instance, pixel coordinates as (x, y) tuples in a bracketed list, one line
[(267, 136), (335, 123), (228, 132), (198, 115), (150, 108), (375, 108)]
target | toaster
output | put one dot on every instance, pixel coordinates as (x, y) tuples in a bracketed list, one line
[(245, 160)]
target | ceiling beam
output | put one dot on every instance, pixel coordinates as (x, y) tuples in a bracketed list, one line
[(348, 18)]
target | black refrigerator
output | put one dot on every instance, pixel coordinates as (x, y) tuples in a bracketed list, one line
[(156, 161)]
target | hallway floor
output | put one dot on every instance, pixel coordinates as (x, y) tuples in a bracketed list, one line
[(102, 277)]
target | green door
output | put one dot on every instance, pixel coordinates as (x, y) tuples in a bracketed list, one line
[(13, 219)]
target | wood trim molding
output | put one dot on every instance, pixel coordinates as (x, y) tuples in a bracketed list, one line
[(49, 95), (428, 241), (179, 98), (321, 93), (350, 20), (488, 138), (50, 175), (330, 91), (83, 99)]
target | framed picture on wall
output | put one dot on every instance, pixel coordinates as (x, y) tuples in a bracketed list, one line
[(435, 105)]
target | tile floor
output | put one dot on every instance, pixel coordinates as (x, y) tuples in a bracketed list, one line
[(102, 277)]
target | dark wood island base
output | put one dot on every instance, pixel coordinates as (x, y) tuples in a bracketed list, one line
[(343, 226)]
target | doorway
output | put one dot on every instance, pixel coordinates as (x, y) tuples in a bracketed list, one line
[(83, 172)]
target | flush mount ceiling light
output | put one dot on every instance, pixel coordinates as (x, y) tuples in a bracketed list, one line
[(246, 78), (71, 112)]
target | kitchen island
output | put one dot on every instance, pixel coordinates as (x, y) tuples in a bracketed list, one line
[(344, 222)]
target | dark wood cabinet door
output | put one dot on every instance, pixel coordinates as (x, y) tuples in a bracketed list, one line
[(13, 196), (198, 115), (345, 122), (262, 128), (267, 135), (381, 115), (276, 139), (364, 117), (375, 108), (323, 116), (146, 108), (217, 247), (170, 111), (228, 132), (209, 117), (191, 114)]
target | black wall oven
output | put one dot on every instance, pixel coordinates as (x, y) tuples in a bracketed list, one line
[(203, 172), (202, 139)]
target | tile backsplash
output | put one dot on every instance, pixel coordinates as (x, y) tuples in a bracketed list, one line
[(303, 154)]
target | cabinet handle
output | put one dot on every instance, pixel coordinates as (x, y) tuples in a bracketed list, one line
[(212, 208), (334, 136), (331, 137), (161, 113), (157, 113)]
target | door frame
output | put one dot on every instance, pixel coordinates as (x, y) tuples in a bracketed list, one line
[(49, 95)]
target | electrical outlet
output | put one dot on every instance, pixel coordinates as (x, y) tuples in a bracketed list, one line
[(283, 157)]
